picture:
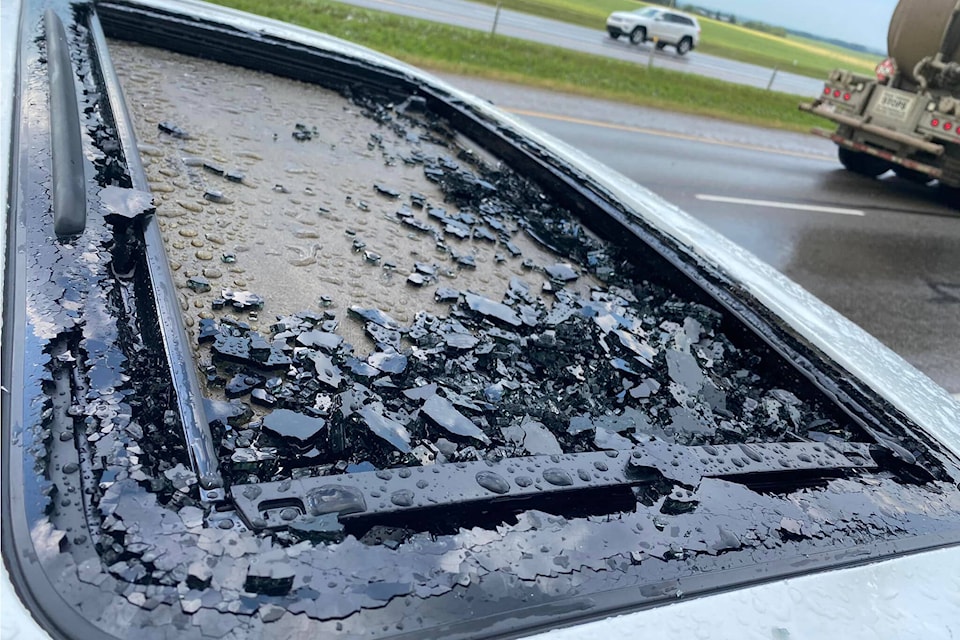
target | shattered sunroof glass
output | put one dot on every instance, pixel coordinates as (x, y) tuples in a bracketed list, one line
[(374, 293), (439, 402)]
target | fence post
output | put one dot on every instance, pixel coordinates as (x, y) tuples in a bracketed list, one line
[(772, 77), (652, 51), (496, 19)]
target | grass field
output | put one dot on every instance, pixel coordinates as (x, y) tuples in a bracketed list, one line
[(468, 52), (797, 55)]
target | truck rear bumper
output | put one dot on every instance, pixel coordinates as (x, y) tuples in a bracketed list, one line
[(819, 109), (933, 172)]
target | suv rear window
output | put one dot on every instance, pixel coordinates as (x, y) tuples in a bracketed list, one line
[(679, 19)]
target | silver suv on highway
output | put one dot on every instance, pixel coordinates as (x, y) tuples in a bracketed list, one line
[(664, 27)]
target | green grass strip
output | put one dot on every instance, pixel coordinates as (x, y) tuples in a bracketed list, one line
[(473, 53)]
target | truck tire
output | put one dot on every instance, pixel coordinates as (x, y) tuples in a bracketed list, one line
[(638, 36), (950, 195), (684, 46), (951, 168), (862, 163), (911, 175)]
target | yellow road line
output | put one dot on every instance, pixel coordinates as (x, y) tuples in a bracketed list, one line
[(667, 134)]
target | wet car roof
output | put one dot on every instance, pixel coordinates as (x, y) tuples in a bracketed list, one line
[(570, 424)]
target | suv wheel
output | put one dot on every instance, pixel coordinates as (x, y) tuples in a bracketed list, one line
[(684, 46), (638, 35)]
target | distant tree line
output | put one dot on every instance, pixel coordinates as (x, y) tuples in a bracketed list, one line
[(730, 18), (840, 43)]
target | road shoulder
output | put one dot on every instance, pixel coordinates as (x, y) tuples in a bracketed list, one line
[(525, 101)]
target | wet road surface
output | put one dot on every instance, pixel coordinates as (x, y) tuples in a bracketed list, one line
[(594, 41), (885, 253)]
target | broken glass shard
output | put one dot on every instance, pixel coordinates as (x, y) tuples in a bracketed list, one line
[(263, 398), (198, 284), (537, 439), (216, 196), (327, 372), (446, 294), (386, 428), (446, 416), (242, 384), (269, 578), (321, 339), (293, 427), (422, 392), (386, 191), (375, 316), (360, 368), (125, 204), (242, 300), (561, 272), (463, 341), (492, 309), (388, 362), (684, 369), (173, 130)]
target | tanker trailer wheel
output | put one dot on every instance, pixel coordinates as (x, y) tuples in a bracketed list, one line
[(862, 163), (950, 180), (911, 175), (950, 195)]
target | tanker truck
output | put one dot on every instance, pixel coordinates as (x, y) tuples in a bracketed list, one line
[(907, 117)]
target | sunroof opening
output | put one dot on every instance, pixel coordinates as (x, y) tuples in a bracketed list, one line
[(367, 290)]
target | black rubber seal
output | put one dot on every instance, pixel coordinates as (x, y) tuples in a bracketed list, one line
[(69, 192)]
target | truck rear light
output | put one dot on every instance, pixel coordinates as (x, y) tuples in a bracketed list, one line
[(836, 93), (947, 126), (935, 122), (826, 91), (846, 96)]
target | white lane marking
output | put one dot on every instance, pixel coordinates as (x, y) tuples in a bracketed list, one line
[(772, 204)]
